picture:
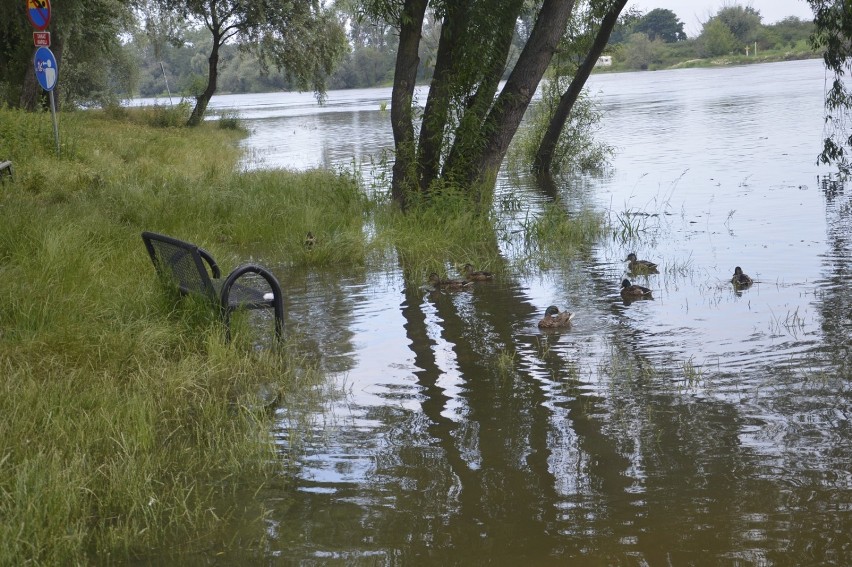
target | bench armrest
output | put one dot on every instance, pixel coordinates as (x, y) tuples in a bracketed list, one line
[(214, 267), (277, 301)]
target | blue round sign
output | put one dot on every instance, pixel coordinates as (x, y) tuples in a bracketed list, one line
[(46, 70)]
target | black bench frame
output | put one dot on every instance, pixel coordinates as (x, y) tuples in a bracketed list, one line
[(183, 263), (6, 168)]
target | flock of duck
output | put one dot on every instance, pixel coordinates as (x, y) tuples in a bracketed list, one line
[(556, 319)]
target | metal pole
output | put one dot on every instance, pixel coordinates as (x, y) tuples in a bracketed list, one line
[(167, 82), (55, 125)]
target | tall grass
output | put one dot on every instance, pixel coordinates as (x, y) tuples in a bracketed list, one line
[(440, 235), (127, 421)]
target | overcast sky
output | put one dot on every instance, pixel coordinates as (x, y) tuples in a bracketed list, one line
[(695, 12)]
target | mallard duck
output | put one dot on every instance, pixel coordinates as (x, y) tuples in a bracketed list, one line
[(554, 319), (310, 240), (633, 291), (740, 279), (476, 275), (639, 266), (436, 282)]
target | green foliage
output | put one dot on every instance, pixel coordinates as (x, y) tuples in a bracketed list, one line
[(577, 150), (744, 24), (165, 65), (717, 39), (230, 120), (626, 22), (661, 24), (365, 67), (790, 32), (742, 21), (640, 52), (438, 232), (372, 59), (555, 235), (833, 35), (16, 51), (164, 116), (302, 39)]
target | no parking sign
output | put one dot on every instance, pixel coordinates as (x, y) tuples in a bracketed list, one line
[(38, 12)]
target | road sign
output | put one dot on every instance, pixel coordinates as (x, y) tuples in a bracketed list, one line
[(46, 70), (38, 12), (41, 38)]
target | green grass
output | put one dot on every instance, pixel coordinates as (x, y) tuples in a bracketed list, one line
[(440, 236), (127, 420)]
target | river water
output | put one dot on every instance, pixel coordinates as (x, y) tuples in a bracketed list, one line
[(708, 425)]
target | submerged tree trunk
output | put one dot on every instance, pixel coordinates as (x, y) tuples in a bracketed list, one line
[(464, 157), (505, 117), (436, 113), (466, 129), (402, 98), (544, 156)]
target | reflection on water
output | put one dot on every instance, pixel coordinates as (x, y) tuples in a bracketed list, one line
[(706, 425)]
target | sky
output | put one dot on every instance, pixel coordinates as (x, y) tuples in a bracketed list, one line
[(693, 13)]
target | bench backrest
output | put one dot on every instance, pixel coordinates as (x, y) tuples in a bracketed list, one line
[(181, 262), (6, 170)]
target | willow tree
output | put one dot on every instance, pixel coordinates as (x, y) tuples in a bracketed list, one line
[(602, 19), (833, 34), (301, 38), (467, 120)]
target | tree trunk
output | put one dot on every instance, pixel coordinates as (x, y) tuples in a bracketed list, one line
[(544, 156), (436, 111), (506, 115), (466, 152), (30, 91), (402, 122), (202, 100)]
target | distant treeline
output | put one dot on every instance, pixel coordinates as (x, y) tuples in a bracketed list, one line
[(651, 40)]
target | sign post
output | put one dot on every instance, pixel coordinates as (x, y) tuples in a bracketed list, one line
[(44, 63)]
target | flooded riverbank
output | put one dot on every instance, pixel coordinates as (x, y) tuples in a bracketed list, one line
[(708, 424)]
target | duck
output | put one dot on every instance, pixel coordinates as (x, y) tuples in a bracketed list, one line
[(632, 291), (310, 240), (436, 282), (639, 266), (476, 275), (555, 319), (740, 279)]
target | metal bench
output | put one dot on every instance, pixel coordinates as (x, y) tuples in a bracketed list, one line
[(6, 169), (183, 264)]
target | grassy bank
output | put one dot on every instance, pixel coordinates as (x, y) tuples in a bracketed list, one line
[(126, 419)]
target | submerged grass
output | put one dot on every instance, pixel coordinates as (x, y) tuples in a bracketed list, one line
[(440, 236)]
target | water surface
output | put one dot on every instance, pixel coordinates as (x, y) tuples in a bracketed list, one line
[(708, 425)]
